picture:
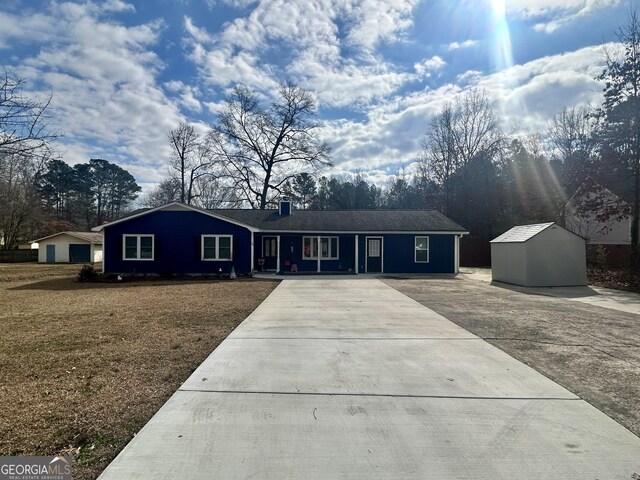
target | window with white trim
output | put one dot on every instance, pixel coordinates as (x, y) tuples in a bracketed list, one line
[(137, 247), (329, 248), (422, 250), (217, 247)]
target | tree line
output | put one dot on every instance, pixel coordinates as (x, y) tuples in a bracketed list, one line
[(39, 193), (470, 168), (257, 151)]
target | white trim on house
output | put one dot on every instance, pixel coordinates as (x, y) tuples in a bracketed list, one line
[(253, 266), (372, 232), (173, 206), (456, 254), (415, 249), (138, 247), (357, 262), (217, 247), (319, 240)]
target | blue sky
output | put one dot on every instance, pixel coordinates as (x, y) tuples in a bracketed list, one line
[(123, 73)]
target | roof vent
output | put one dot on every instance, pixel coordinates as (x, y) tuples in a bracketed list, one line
[(284, 207)]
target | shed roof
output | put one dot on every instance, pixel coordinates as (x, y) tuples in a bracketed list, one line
[(521, 233), (90, 237)]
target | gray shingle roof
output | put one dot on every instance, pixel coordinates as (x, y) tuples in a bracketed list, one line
[(324, 220), (521, 233), (344, 220), (88, 236)]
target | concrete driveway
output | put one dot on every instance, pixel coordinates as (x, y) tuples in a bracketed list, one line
[(348, 378)]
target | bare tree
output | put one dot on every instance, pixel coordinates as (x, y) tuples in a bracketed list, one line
[(476, 131), (262, 148), (167, 191), (439, 159), (24, 149), (571, 133), (19, 200), (184, 143), (619, 132), (22, 120), (214, 192), (464, 130)]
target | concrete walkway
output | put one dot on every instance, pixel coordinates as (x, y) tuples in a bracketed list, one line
[(612, 299), (348, 378)]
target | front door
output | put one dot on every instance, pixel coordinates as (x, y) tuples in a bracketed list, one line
[(51, 253), (374, 254), (270, 252)]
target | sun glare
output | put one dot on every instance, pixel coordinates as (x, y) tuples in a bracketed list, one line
[(499, 8)]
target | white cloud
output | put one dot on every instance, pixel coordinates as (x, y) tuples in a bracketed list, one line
[(315, 32), (458, 45), (106, 100), (526, 97), (428, 66), (379, 20), (554, 14)]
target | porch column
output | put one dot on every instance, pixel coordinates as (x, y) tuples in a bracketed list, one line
[(253, 253), (457, 254), (103, 250), (319, 252), (278, 257), (357, 260)]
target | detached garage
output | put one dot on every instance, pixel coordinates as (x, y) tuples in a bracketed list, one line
[(540, 255), (70, 247)]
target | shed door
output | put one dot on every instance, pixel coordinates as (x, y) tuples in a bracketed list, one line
[(79, 253), (374, 255), (51, 253)]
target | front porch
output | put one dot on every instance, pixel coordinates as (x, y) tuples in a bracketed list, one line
[(300, 254)]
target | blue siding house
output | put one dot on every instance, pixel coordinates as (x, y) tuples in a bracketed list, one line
[(182, 239)]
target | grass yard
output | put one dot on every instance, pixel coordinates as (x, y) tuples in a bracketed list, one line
[(83, 366)]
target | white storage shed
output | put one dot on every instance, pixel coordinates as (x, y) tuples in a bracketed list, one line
[(540, 255), (70, 247)]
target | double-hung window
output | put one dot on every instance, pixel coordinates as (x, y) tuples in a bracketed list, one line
[(328, 248), (421, 250), (137, 247), (217, 247)]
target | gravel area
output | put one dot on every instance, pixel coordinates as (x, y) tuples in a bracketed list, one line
[(592, 351)]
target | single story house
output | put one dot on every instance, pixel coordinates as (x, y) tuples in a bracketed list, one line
[(539, 255), (183, 239), (600, 216), (70, 247)]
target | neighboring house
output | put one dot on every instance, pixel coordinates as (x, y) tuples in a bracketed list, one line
[(70, 247), (600, 216), (182, 239), (539, 255)]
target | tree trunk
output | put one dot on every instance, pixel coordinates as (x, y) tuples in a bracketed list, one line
[(182, 179), (265, 190)]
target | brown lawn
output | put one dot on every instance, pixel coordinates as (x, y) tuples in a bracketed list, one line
[(83, 366)]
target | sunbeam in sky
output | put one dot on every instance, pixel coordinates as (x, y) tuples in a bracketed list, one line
[(123, 73), (502, 50)]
